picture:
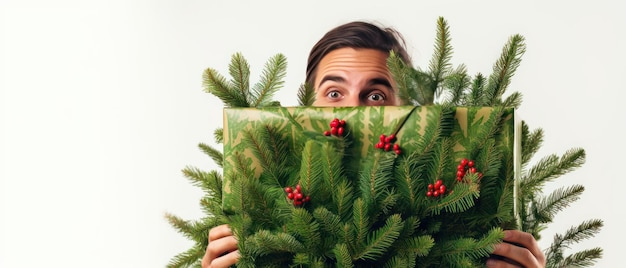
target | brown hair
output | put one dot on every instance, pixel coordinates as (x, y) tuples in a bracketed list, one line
[(356, 34)]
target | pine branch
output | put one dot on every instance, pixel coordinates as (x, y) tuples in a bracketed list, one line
[(239, 70), (585, 258), (400, 73), (304, 226), (217, 85), (440, 63), (271, 81), (218, 135), (504, 69), (189, 258), (557, 201), (342, 254), (550, 167), (531, 143), (475, 96), (216, 155), (361, 224), (329, 222), (587, 229), (380, 240), (306, 95), (456, 82)]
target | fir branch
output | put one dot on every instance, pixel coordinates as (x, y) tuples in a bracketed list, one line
[(375, 177), (182, 226), (551, 167), (557, 201), (475, 96), (440, 63), (332, 168), (514, 100), (311, 169), (531, 143), (381, 239), (218, 135), (210, 182), (400, 73), (265, 242), (271, 81), (216, 155), (190, 258), (239, 70), (343, 197), (304, 227), (460, 199), (504, 69), (329, 222), (456, 82), (585, 258), (306, 95), (217, 85), (587, 229), (361, 223), (343, 257)]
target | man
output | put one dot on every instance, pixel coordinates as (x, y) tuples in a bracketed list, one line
[(347, 67)]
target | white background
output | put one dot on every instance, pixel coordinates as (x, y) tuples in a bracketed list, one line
[(101, 106)]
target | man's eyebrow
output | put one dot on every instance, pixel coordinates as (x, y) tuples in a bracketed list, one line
[(380, 81), (334, 78)]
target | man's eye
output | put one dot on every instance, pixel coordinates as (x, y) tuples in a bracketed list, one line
[(376, 97), (333, 95)]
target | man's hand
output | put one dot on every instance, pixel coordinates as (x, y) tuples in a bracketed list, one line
[(519, 249), (222, 249)]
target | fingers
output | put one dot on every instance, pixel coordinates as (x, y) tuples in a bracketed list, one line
[(527, 241), (219, 232), (224, 261), (222, 249), (520, 250)]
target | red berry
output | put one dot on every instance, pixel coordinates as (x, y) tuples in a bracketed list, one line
[(290, 195), (438, 183), (436, 193), (340, 131), (430, 186), (342, 122), (429, 193), (470, 163), (460, 173), (333, 130), (398, 152), (307, 199), (387, 146), (288, 189), (334, 123), (472, 170), (298, 196), (464, 162), (382, 137), (442, 189), (396, 146), (380, 145), (298, 187), (326, 133), (392, 138)]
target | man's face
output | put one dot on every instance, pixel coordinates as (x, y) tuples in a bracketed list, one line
[(354, 77)]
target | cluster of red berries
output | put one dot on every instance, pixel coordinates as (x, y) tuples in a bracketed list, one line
[(337, 128), (437, 189), (465, 166), (387, 143), (296, 195)]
